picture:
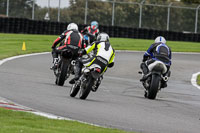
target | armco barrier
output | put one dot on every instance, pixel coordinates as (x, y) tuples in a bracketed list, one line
[(22, 25)]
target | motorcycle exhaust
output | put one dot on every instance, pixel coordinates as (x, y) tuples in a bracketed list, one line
[(166, 78)]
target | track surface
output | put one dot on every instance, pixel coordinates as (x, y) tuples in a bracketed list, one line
[(119, 102)]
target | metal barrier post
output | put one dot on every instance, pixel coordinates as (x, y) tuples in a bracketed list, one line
[(49, 8), (7, 10), (196, 21), (86, 6), (168, 15), (59, 11), (33, 10), (113, 13), (140, 19)]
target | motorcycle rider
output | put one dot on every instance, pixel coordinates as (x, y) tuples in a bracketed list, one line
[(157, 51), (104, 56), (69, 37), (90, 32)]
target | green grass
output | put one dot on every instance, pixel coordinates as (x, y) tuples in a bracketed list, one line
[(142, 45), (11, 44), (198, 79), (23, 122)]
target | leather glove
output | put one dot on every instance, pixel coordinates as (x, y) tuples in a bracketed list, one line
[(111, 64)]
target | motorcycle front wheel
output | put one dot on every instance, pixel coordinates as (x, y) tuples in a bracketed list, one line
[(74, 90), (85, 90)]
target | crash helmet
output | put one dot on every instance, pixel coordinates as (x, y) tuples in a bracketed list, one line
[(94, 25), (72, 26), (160, 39), (103, 37)]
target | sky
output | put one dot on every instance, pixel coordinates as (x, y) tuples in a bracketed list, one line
[(53, 3)]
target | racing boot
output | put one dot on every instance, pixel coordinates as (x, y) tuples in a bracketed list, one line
[(145, 70), (55, 64), (77, 71)]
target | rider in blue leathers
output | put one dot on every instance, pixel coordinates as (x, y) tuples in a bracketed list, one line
[(157, 51)]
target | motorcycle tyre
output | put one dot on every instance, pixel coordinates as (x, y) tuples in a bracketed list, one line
[(61, 77), (153, 89), (74, 90), (84, 92)]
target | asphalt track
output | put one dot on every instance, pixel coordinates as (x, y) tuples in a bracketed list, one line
[(119, 102)]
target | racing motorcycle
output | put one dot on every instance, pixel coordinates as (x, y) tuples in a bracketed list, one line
[(89, 80), (65, 65), (153, 80)]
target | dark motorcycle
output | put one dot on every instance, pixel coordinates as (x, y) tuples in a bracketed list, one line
[(66, 64), (89, 81), (153, 80)]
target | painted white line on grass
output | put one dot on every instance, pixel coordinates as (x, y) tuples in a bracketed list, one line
[(19, 107), (194, 80), (52, 116)]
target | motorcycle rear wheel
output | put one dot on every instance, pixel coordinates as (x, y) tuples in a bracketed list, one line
[(154, 87), (63, 72)]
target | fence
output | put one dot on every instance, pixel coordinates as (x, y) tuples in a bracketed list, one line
[(21, 25), (140, 14)]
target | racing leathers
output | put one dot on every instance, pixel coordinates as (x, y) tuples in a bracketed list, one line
[(90, 34), (160, 52), (69, 39), (104, 56)]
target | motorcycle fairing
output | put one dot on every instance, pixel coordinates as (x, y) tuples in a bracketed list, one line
[(158, 66)]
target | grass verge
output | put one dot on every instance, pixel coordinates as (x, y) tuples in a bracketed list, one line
[(198, 80), (143, 45), (23, 122), (11, 44)]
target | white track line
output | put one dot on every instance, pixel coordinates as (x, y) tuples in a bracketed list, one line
[(19, 56), (194, 80)]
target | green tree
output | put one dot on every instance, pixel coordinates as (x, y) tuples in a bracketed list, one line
[(17, 8)]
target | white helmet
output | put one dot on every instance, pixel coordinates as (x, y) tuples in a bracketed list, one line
[(72, 26), (160, 39), (103, 37)]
